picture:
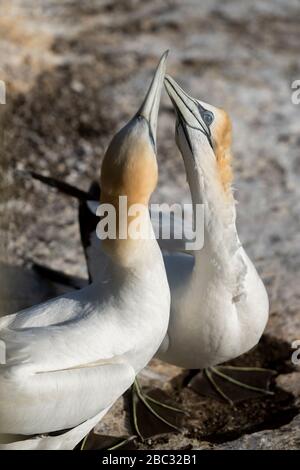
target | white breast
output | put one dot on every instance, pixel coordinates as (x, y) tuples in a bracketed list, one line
[(69, 359), (206, 326)]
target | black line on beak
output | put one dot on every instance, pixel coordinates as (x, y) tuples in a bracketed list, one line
[(207, 132)]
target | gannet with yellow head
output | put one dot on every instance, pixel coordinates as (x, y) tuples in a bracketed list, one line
[(219, 305), (69, 359)]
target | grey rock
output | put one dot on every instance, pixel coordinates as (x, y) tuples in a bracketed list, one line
[(21, 288), (285, 438)]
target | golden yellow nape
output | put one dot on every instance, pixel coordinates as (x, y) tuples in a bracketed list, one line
[(130, 170), (129, 167), (222, 149)]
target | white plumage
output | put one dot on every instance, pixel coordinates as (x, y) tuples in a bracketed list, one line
[(219, 305), (69, 359)]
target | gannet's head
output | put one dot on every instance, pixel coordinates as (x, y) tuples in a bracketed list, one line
[(203, 135), (129, 167)]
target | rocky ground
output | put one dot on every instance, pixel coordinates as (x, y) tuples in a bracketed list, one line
[(75, 72)]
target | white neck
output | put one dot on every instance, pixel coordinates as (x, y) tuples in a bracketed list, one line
[(133, 250), (220, 254)]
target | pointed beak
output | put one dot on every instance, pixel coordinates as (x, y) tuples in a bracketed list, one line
[(150, 106), (188, 110)]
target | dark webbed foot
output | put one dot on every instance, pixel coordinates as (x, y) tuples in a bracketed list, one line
[(152, 414), (95, 441), (233, 384)]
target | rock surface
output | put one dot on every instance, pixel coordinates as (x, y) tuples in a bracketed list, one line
[(76, 71), (285, 438)]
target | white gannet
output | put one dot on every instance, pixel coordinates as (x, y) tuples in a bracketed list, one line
[(219, 305), (69, 359)]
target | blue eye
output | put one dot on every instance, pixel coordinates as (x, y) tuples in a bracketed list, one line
[(208, 117)]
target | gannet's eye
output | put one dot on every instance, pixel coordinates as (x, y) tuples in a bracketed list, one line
[(208, 117)]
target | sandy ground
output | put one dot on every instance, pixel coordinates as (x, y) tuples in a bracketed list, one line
[(75, 72)]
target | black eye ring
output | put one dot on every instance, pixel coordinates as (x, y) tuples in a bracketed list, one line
[(208, 117)]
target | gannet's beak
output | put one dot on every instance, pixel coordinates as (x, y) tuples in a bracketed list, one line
[(189, 111), (150, 106)]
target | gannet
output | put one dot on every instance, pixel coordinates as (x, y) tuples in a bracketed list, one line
[(219, 305), (69, 359)]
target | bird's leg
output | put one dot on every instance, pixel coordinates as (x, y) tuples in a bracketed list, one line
[(233, 384), (152, 416)]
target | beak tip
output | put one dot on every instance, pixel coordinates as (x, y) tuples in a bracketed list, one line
[(163, 60)]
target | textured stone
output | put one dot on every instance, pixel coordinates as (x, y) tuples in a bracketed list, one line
[(291, 384), (285, 438)]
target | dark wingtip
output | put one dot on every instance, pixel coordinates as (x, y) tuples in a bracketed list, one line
[(61, 186)]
